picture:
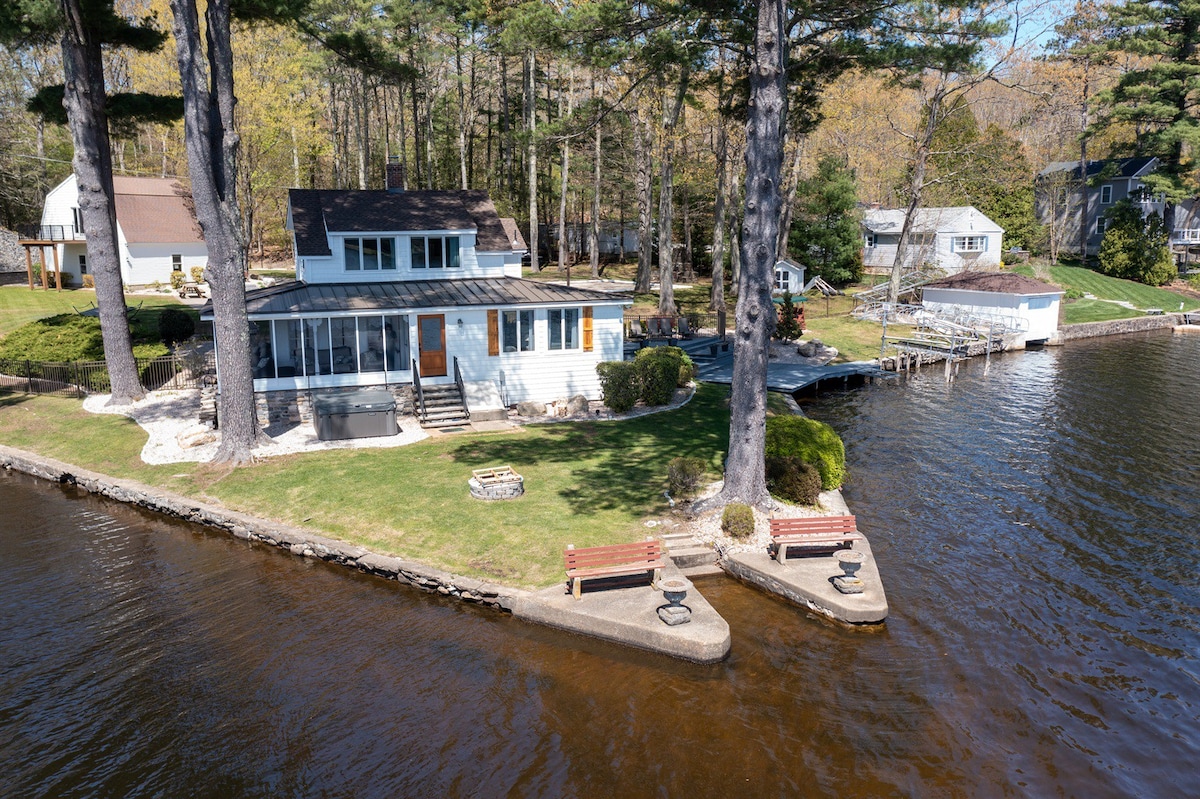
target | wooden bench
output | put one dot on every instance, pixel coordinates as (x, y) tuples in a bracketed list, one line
[(823, 534), (612, 561)]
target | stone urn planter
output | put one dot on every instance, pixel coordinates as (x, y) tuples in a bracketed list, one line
[(674, 590), (850, 560)]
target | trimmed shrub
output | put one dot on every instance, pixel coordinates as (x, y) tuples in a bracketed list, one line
[(89, 282), (619, 385), (197, 273), (661, 370), (791, 479), (813, 442), (177, 280), (737, 520), (175, 325), (683, 475)]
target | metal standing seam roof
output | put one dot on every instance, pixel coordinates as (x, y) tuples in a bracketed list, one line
[(321, 298)]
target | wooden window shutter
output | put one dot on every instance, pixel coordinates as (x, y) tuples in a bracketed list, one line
[(587, 329), (493, 332)]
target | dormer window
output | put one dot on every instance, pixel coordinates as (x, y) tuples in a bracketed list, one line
[(370, 254), (435, 252)]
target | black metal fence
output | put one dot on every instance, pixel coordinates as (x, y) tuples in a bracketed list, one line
[(80, 378)]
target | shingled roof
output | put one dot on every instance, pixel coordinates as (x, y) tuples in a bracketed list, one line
[(404, 295), (998, 282), (318, 212), (155, 211)]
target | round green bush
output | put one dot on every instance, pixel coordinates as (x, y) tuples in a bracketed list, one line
[(662, 370), (619, 385), (683, 475), (175, 325), (737, 520), (791, 479), (813, 442)]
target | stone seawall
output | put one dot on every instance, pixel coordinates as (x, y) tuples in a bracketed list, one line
[(298, 542), (1115, 327)]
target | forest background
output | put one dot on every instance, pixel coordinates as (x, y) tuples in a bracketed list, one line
[(501, 97)]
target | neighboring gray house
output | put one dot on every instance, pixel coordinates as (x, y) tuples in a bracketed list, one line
[(1059, 201), (953, 239)]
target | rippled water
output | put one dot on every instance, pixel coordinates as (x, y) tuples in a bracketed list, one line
[(1036, 532)]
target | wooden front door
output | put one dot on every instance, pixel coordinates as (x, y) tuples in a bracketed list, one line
[(431, 341)]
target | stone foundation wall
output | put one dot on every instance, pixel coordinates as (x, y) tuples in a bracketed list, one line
[(299, 542), (1116, 326), (295, 407)]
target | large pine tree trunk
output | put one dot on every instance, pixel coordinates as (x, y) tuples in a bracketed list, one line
[(84, 100), (565, 183), (666, 201), (212, 147), (594, 230), (531, 154), (644, 187), (745, 479)]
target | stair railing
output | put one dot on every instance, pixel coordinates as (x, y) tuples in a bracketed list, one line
[(416, 379), (462, 394)]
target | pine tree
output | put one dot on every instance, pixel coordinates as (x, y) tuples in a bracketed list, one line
[(825, 231), (1135, 246)]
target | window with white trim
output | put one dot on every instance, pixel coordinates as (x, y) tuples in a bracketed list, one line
[(83, 264), (869, 240), (564, 328), (176, 263), (970, 243), (369, 254), (1101, 225), (1040, 303), (783, 280), (434, 252), (1106, 194), (516, 331)]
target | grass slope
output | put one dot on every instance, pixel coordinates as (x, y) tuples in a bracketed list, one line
[(587, 483), (1104, 287), (20, 306)]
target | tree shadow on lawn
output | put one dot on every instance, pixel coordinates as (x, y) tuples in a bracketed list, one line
[(619, 465)]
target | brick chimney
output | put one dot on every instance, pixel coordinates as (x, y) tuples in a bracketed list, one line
[(394, 178)]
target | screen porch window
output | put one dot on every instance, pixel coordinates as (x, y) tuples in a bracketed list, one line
[(564, 329), (435, 252), (517, 331), (329, 345), (970, 243)]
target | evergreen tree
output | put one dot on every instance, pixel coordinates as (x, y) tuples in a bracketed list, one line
[(788, 327), (1135, 246), (85, 28), (1158, 100), (825, 232)]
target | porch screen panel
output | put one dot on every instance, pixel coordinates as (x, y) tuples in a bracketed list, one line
[(262, 358), (370, 343), (288, 348), (345, 351), (317, 358), (395, 342), (555, 319)]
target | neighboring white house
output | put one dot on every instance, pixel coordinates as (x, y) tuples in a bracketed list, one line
[(789, 276), (952, 239), (157, 233), (1021, 303), (389, 280)]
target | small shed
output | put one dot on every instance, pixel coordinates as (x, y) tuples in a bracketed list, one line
[(1022, 303), (789, 276)]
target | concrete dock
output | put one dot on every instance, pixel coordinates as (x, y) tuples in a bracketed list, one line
[(627, 614), (807, 581)]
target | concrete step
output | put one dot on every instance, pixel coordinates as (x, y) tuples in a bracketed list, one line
[(671, 539), (687, 557), (705, 570), (458, 422)]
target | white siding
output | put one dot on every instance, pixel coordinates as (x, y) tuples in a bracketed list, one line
[(1040, 323), (332, 269), (143, 264)]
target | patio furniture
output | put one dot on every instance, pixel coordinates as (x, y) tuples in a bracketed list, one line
[(615, 560), (821, 535)]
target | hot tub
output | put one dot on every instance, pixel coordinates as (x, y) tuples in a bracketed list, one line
[(359, 414)]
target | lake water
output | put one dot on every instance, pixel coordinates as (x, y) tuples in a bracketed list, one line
[(1036, 529)]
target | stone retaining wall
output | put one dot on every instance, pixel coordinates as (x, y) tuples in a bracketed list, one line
[(295, 407), (1116, 326), (297, 541)]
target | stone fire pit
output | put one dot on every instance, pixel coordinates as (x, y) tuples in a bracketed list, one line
[(499, 482)]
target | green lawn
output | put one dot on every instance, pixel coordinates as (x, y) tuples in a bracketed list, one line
[(20, 306), (1078, 311), (587, 483), (1111, 288)]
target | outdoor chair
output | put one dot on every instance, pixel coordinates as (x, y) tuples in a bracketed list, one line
[(685, 330)]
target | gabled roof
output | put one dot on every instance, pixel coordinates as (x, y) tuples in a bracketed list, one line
[(155, 211), (408, 295), (512, 231), (998, 282), (317, 212), (930, 220), (1112, 167)]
